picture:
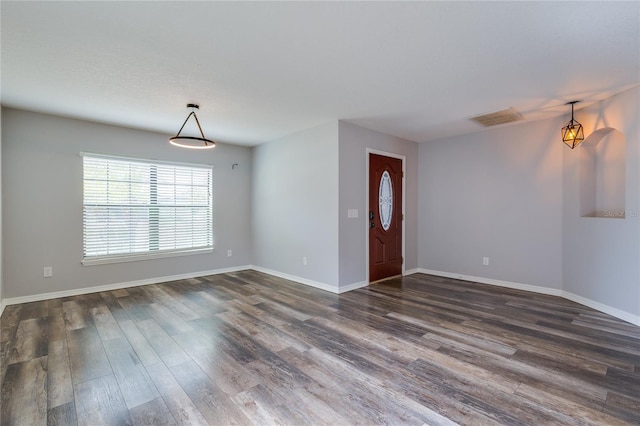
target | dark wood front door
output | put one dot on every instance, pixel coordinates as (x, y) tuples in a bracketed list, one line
[(385, 217)]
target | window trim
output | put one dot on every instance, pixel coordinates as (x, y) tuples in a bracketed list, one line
[(158, 254), (145, 160), (105, 260)]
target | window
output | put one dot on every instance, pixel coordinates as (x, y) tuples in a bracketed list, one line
[(385, 200), (136, 209)]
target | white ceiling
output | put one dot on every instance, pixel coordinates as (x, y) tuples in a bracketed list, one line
[(263, 70)]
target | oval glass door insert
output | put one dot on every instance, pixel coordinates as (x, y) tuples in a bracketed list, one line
[(385, 200)]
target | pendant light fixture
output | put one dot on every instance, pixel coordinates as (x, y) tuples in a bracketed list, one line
[(192, 142), (572, 133)]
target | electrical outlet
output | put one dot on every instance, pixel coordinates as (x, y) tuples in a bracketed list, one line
[(305, 261), (229, 253), (47, 271), (485, 261)]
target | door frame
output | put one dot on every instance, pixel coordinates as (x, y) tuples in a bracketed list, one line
[(366, 210)]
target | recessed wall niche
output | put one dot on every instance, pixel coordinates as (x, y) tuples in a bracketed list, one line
[(602, 174)]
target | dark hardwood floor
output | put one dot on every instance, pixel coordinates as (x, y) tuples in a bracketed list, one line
[(248, 348)]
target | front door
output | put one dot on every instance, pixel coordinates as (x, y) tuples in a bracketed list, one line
[(385, 217)]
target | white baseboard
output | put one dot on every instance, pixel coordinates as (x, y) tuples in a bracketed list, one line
[(341, 288), (614, 312), (355, 286), (116, 286), (305, 281), (352, 286), (157, 280), (499, 283)]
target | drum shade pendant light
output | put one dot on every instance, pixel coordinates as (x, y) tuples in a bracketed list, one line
[(192, 142), (572, 133)]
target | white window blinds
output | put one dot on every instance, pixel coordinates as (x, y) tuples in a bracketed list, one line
[(136, 209)]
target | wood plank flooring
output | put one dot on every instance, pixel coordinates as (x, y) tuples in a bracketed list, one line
[(248, 348)]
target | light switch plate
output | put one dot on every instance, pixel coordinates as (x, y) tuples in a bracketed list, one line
[(352, 213)]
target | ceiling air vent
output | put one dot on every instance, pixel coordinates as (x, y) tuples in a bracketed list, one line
[(508, 115)]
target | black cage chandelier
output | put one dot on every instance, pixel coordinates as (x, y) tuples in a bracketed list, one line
[(572, 133), (192, 142)]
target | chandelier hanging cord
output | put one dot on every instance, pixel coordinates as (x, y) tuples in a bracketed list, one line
[(193, 112), (572, 120)]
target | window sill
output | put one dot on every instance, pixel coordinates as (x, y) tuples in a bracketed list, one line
[(104, 260)]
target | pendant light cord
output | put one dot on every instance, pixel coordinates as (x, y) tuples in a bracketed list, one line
[(197, 122)]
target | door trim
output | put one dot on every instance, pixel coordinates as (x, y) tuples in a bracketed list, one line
[(404, 201)]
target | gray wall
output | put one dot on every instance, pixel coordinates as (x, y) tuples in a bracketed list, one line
[(295, 204), (497, 194), (1, 280), (354, 141), (42, 199), (513, 194), (602, 255)]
